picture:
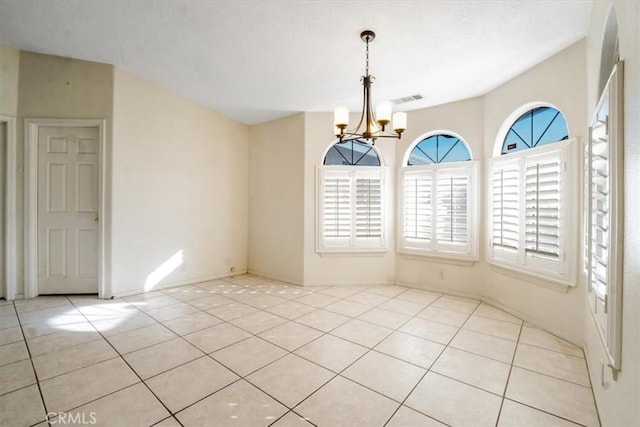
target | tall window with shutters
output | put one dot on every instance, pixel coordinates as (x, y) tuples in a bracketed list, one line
[(351, 196), (438, 199), (530, 203), (604, 216)]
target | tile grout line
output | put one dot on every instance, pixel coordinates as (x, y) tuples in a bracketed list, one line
[(593, 393), (429, 370), (544, 411), (328, 333), (370, 349), (170, 417), (35, 373), (205, 354), (551, 376), (315, 308), (556, 351), (506, 386), (291, 411), (288, 352), (240, 377), (128, 365)]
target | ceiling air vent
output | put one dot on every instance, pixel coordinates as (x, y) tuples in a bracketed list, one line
[(406, 99)]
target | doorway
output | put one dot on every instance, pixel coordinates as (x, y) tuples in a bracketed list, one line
[(64, 162)]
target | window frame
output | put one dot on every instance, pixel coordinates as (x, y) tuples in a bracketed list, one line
[(517, 260), (608, 320), (515, 120), (352, 244), (433, 248)]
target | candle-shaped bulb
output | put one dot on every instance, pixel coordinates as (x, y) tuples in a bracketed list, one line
[(400, 122), (341, 117)]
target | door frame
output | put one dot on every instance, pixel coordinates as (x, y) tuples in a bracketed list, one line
[(31, 130), (10, 209)]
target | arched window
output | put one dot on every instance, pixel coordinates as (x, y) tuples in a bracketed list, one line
[(530, 197), (439, 148), (535, 128), (351, 196), (438, 198), (352, 153)]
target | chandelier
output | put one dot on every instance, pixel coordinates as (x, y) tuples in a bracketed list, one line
[(373, 125)]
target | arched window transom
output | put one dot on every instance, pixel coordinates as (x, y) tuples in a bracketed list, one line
[(538, 126), (351, 153), (439, 148)]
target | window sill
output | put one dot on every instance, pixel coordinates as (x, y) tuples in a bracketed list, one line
[(358, 252), (461, 260), (533, 277)]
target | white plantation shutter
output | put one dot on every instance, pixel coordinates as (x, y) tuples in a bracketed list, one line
[(542, 206), (586, 206), (351, 208), (368, 207), (529, 210), (605, 203), (337, 207), (505, 206), (417, 206), (600, 202), (438, 209), (452, 210)]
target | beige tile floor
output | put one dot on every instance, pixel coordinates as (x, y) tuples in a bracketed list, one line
[(247, 351)]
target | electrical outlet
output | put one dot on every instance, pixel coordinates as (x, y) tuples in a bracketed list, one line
[(441, 274)]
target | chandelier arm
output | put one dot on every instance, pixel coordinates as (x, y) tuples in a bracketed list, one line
[(350, 138)]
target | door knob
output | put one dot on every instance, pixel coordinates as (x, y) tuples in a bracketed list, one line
[(95, 219)]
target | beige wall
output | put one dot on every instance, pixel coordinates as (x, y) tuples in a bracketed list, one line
[(560, 81), (9, 72), (351, 269), (55, 87), (180, 183), (618, 400), (179, 178), (276, 192), (52, 86)]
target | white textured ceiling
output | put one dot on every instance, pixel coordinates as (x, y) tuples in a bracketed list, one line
[(260, 60)]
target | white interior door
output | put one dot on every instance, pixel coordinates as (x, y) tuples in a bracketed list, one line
[(67, 210)]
